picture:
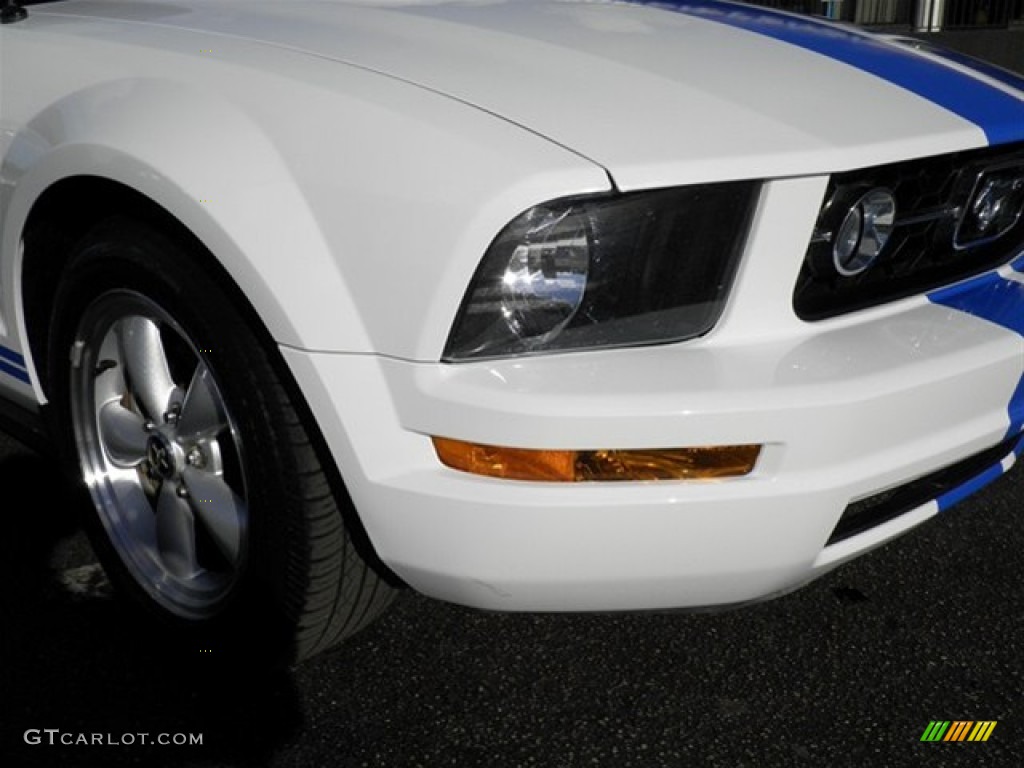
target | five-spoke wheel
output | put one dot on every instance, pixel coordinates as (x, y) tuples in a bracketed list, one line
[(159, 452)]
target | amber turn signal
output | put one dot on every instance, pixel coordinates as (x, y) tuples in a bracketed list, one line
[(705, 463)]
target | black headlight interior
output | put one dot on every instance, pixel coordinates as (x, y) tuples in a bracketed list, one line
[(610, 271)]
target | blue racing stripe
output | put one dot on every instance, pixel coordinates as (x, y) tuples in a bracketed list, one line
[(10, 370), (1000, 301), (998, 114), (975, 484), (1004, 76), (11, 355)]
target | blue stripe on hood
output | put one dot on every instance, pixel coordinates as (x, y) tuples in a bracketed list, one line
[(998, 113), (993, 71)]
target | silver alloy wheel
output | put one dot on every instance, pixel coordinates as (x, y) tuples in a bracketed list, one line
[(159, 453)]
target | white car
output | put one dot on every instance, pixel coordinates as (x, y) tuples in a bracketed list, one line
[(529, 306)]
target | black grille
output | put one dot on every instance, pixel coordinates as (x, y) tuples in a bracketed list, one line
[(888, 505), (931, 195)]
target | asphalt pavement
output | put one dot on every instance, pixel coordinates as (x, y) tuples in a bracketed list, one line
[(848, 671)]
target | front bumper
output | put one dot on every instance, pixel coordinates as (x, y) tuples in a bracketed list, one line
[(844, 410)]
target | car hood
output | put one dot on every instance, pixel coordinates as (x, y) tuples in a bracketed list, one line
[(679, 93)]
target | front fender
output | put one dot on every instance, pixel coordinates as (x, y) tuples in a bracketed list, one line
[(350, 207), (215, 171)]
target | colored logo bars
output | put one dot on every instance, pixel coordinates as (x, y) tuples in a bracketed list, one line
[(958, 730)]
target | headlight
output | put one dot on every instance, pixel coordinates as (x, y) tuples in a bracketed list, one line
[(622, 270)]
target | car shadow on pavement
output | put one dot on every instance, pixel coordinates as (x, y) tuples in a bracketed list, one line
[(75, 659)]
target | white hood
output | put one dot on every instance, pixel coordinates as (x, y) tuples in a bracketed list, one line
[(656, 96)]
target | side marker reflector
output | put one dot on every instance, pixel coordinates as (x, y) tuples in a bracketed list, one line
[(706, 463)]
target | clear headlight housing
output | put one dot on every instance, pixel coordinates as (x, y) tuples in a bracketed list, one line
[(609, 271)]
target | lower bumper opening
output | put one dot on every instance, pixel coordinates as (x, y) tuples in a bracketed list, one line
[(888, 505)]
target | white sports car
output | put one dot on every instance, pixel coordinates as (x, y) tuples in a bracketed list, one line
[(527, 305)]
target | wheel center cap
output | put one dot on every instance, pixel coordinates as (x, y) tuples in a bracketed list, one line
[(162, 457)]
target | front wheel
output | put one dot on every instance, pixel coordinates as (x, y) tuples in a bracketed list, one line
[(211, 506)]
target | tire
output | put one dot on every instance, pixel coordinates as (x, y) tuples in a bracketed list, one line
[(211, 506)]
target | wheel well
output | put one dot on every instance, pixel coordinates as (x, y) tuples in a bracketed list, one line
[(64, 214)]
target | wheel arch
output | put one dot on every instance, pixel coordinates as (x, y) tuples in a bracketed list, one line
[(220, 178), (61, 216)]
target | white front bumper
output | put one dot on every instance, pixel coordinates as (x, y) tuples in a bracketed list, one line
[(843, 410)]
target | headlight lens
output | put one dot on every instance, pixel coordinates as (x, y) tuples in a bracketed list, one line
[(546, 275), (623, 270)]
